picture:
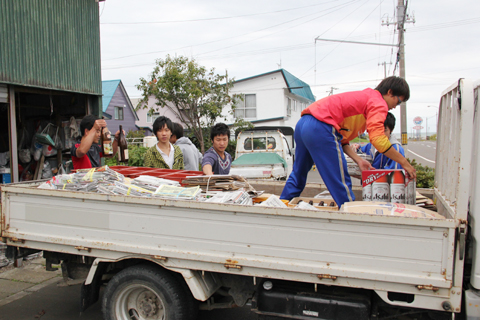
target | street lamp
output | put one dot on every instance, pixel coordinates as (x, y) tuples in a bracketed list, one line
[(436, 117)]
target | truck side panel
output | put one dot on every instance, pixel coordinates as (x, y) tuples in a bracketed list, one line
[(396, 250)]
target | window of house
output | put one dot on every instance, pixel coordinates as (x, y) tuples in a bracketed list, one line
[(152, 117), (294, 102), (246, 108), (289, 107), (119, 113)]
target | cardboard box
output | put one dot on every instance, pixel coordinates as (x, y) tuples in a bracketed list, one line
[(389, 209), (316, 203), (388, 185)]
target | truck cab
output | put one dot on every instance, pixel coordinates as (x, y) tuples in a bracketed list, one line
[(263, 154)]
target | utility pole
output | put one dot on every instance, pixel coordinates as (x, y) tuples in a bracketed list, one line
[(384, 64), (331, 90), (402, 18)]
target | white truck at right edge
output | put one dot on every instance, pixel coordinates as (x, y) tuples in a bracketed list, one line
[(168, 258)]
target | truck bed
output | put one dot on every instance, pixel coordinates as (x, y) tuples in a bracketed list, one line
[(382, 253)]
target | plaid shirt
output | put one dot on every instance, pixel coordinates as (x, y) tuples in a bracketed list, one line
[(153, 159)]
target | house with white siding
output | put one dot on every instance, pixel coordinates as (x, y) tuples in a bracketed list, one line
[(117, 107), (275, 98)]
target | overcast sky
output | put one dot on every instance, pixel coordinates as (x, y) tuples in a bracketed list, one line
[(248, 38)]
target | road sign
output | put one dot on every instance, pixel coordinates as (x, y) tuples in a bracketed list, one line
[(418, 120), (417, 128)]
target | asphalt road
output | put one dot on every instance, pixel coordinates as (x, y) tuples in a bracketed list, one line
[(63, 303), (424, 152)]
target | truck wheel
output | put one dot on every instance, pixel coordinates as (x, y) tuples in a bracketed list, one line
[(144, 292)]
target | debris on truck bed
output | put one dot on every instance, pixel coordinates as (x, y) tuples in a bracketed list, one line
[(231, 189)]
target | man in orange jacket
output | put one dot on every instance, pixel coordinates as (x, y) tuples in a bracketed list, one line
[(328, 125)]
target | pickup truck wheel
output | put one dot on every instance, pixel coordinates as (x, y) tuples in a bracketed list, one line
[(144, 292)]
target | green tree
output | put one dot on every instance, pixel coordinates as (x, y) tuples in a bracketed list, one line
[(197, 96)]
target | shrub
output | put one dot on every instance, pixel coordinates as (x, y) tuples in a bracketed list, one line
[(135, 134), (136, 154), (425, 175)]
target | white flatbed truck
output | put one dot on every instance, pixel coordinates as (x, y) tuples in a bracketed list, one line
[(163, 259)]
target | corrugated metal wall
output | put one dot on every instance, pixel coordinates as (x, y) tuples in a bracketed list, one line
[(3, 93), (51, 44)]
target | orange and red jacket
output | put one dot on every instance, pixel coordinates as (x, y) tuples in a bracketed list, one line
[(350, 113)]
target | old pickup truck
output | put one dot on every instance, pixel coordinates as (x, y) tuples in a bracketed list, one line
[(264, 153), (164, 259)]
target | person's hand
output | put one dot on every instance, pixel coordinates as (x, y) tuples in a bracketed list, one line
[(99, 124), (365, 165), (117, 134), (355, 146), (410, 170)]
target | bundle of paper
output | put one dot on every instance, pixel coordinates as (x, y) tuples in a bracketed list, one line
[(152, 183), (128, 190), (102, 173), (83, 186), (238, 197), (220, 183), (273, 201), (169, 191)]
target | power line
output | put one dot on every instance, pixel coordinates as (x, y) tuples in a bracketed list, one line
[(303, 22), (216, 18), (344, 38), (338, 7)]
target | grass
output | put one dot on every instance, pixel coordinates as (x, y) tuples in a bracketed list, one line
[(359, 140)]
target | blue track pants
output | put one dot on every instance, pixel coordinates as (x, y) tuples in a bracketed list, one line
[(319, 143)]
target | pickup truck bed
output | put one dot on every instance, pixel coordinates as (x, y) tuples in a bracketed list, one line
[(383, 253)]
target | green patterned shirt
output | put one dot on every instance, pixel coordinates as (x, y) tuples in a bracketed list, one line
[(153, 159)]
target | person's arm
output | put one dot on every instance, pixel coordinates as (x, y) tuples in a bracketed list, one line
[(397, 157), (148, 160), (87, 141), (207, 164), (207, 169), (362, 163)]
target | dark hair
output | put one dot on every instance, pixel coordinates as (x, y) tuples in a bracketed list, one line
[(177, 130), (219, 129), (398, 86), (390, 121), (87, 123), (160, 122)]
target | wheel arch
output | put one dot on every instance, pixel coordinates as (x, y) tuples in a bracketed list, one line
[(200, 284)]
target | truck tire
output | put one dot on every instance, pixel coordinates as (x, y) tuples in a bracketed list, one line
[(144, 292)]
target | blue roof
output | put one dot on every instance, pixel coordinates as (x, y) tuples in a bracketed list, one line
[(108, 90), (295, 85)]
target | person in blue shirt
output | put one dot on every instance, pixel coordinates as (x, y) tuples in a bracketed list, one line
[(381, 161)]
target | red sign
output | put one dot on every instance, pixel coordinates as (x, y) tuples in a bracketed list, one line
[(418, 120), (417, 128)]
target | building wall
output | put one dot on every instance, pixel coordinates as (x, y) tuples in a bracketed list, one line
[(272, 97), (128, 122), (51, 44), (142, 114)]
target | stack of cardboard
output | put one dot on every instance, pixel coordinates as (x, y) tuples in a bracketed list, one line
[(219, 183), (425, 202)]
